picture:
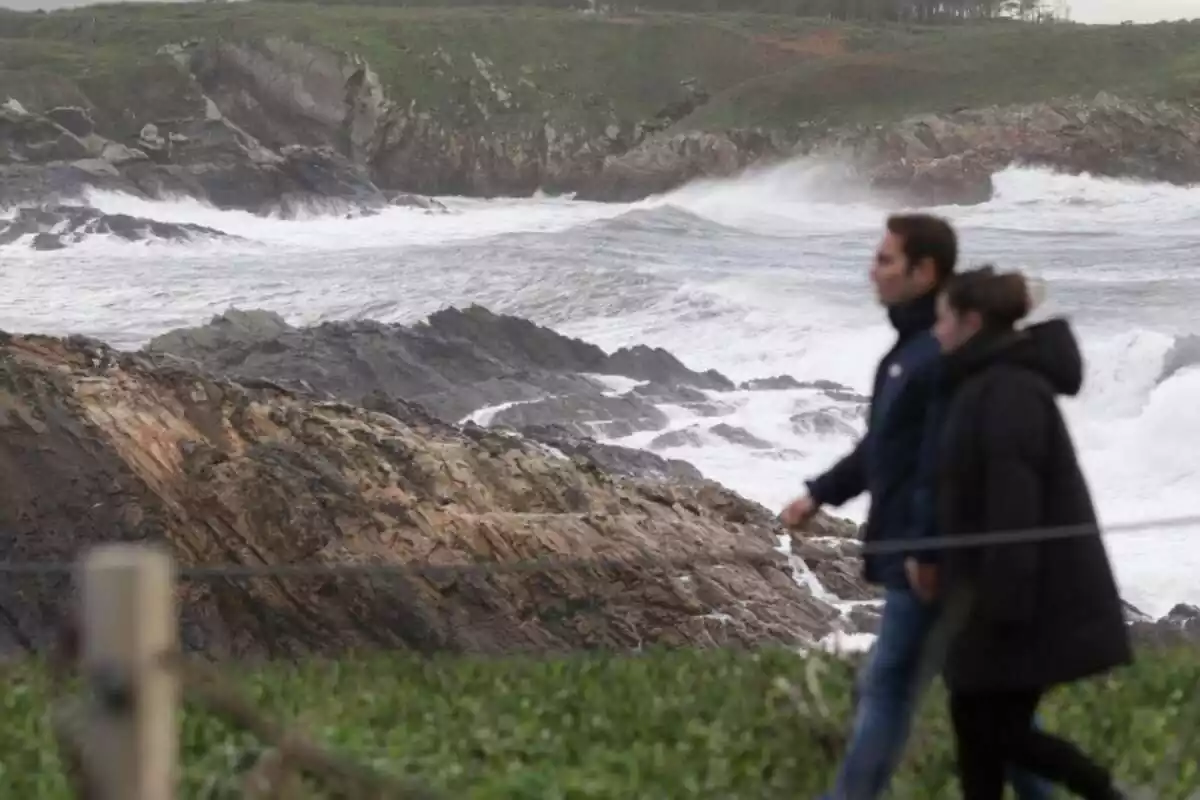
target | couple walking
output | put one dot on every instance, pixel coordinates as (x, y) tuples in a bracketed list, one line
[(964, 436)]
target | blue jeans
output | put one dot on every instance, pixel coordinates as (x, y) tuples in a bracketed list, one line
[(888, 691)]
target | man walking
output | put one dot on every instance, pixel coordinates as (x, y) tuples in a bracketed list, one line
[(893, 462)]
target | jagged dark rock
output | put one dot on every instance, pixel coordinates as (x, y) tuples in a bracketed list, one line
[(823, 422), (611, 458), (773, 383), (739, 436), (690, 436), (587, 415), (456, 362), (1180, 625), (55, 227)]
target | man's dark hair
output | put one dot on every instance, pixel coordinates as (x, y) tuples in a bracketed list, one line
[(927, 236)]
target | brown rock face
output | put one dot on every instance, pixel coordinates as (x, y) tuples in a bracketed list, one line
[(100, 445)]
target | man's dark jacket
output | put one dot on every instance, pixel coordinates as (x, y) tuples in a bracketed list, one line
[(895, 456), (1038, 613)]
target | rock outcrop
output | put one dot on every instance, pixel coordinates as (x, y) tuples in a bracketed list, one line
[(58, 226), (458, 362), (101, 445), (937, 159), (205, 156)]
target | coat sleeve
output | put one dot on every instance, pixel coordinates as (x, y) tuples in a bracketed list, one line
[(924, 506), (1012, 440), (923, 502), (844, 481)]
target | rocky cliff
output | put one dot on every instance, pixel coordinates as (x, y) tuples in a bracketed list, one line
[(270, 112), (937, 159)]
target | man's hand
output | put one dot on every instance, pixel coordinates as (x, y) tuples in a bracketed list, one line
[(799, 512), (923, 578)]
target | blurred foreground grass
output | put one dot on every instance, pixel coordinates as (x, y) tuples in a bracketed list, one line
[(712, 724)]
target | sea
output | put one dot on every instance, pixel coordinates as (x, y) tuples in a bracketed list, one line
[(755, 276)]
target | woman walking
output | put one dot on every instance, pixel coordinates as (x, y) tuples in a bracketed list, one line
[(1035, 614)]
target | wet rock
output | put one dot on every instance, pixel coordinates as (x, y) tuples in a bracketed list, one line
[(665, 162), (683, 437), (456, 362), (784, 454), (667, 393), (56, 227), (771, 384), (954, 180), (739, 436), (846, 396), (656, 364), (406, 200), (821, 422), (586, 415), (835, 563), (864, 619), (612, 458)]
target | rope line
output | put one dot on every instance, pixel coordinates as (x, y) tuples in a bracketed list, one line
[(747, 556)]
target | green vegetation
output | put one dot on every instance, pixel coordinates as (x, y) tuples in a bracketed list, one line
[(586, 70), (658, 725), (924, 11)]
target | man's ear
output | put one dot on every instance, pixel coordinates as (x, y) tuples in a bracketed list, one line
[(925, 271)]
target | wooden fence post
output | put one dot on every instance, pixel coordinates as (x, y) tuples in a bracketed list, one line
[(129, 625)]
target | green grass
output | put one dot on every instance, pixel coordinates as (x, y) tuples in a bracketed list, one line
[(702, 724), (584, 72)]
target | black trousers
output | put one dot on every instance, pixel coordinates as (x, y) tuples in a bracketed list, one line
[(993, 730)]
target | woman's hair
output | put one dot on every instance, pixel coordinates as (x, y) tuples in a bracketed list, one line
[(1002, 299)]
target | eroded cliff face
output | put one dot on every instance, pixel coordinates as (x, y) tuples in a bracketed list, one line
[(102, 445)]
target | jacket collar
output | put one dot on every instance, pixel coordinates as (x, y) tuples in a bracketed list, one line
[(977, 353), (915, 316)]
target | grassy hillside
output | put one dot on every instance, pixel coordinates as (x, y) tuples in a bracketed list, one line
[(761, 69), (662, 725)]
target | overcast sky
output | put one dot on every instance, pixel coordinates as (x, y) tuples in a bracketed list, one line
[(1082, 10), (1136, 10)]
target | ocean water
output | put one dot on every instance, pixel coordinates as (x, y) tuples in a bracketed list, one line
[(757, 276)]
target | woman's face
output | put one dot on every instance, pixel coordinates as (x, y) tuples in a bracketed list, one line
[(952, 330)]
